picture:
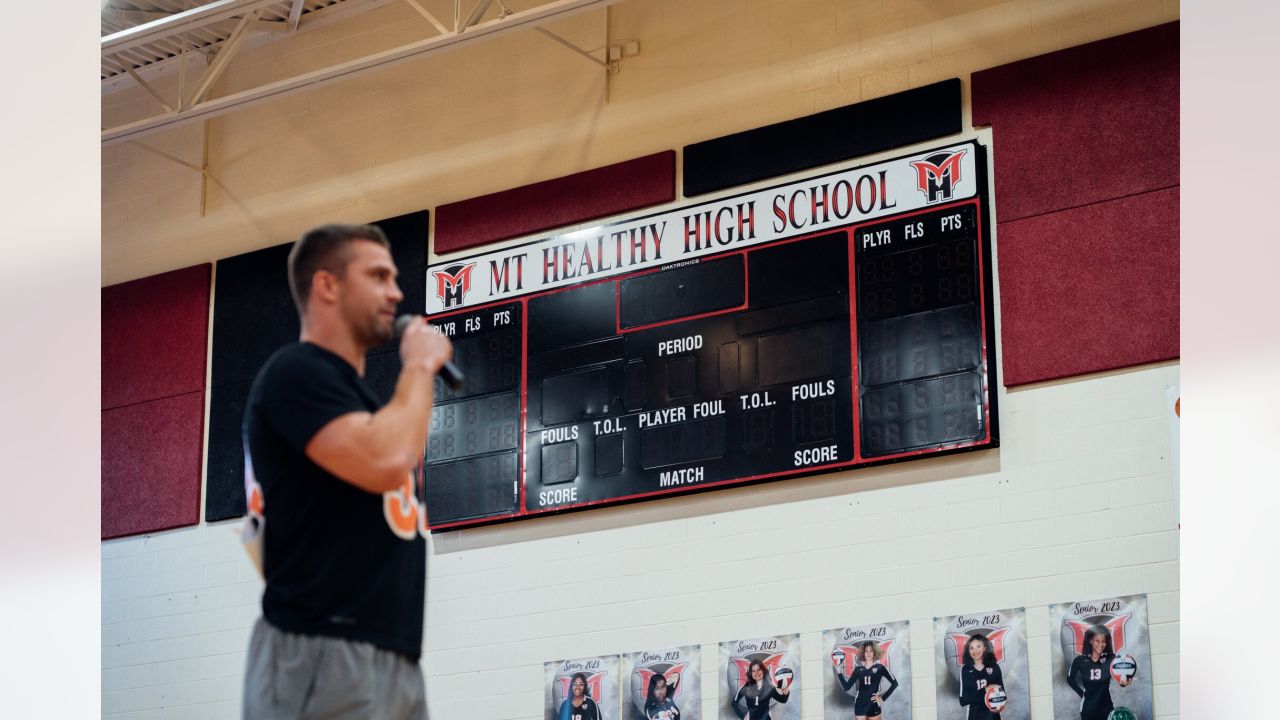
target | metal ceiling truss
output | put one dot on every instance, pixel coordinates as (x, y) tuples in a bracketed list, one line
[(221, 27)]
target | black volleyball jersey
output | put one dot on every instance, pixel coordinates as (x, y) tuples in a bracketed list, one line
[(755, 701), (588, 710), (1091, 680), (866, 680), (664, 709), (973, 687)]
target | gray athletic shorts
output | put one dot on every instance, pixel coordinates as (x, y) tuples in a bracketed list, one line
[(315, 677)]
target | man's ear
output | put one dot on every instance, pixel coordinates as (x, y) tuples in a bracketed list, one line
[(324, 286)]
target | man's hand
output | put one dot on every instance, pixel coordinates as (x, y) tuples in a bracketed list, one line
[(424, 345)]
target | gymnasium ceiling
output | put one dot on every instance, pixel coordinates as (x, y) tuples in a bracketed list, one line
[(143, 40)]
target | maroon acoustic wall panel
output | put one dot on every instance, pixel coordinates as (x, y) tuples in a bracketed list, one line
[(151, 465), (613, 189), (1086, 176), (1089, 123), (154, 336), (1116, 306), (154, 343)]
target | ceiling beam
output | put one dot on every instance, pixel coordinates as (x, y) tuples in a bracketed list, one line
[(271, 26), (151, 68), (427, 14), (180, 22), (295, 14), (143, 84), (476, 13), (221, 60), (220, 106), (121, 16), (561, 41)]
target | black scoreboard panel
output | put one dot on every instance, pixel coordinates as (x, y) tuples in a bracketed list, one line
[(856, 346), (920, 331), (473, 447)]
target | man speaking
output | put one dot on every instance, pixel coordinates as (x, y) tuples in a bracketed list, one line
[(341, 629)]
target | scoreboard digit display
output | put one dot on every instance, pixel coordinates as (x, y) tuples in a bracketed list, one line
[(823, 325)]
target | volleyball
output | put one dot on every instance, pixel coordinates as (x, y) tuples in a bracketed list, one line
[(995, 698)]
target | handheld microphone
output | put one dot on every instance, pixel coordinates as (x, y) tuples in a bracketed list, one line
[(448, 371)]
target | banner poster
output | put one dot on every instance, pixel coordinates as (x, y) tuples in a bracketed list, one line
[(851, 684), (779, 659), (598, 679), (662, 684), (1101, 659), (998, 639)]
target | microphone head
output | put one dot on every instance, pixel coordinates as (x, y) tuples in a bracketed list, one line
[(402, 323)]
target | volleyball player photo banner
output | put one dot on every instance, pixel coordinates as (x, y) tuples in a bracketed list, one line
[(592, 681), (662, 684), (980, 662), (1101, 659), (869, 671), (778, 659)]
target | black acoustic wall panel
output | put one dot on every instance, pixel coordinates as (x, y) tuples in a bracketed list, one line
[(253, 316), (224, 487), (851, 131), (253, 313), (408, 236)]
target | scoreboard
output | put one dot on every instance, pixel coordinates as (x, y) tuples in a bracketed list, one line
[(826, 324)]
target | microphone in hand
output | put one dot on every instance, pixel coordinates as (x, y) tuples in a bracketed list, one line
[(450, 372)]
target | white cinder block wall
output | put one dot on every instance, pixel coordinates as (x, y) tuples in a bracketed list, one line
[(1078, 503)]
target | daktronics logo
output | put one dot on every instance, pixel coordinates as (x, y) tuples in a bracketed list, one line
[(938, 175), (453, 283)]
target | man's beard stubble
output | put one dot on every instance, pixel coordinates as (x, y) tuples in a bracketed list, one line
[(374, 330)]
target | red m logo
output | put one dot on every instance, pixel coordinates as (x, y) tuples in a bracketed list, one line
[(938, 175), (453, 283), (1114, 626), (672, 675), (770, 663), (995, 637)]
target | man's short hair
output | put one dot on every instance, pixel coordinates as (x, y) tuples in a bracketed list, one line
[(327, 247)]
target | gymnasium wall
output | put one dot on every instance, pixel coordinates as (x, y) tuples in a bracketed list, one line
[(1079, 502)]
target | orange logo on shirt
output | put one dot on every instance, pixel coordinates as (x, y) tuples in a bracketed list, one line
[(404, 512), (401, 509)]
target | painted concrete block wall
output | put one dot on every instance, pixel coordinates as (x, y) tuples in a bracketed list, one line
[(1081, 494), (1077, 504)]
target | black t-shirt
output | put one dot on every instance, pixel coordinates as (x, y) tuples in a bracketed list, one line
[(333, 565)]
